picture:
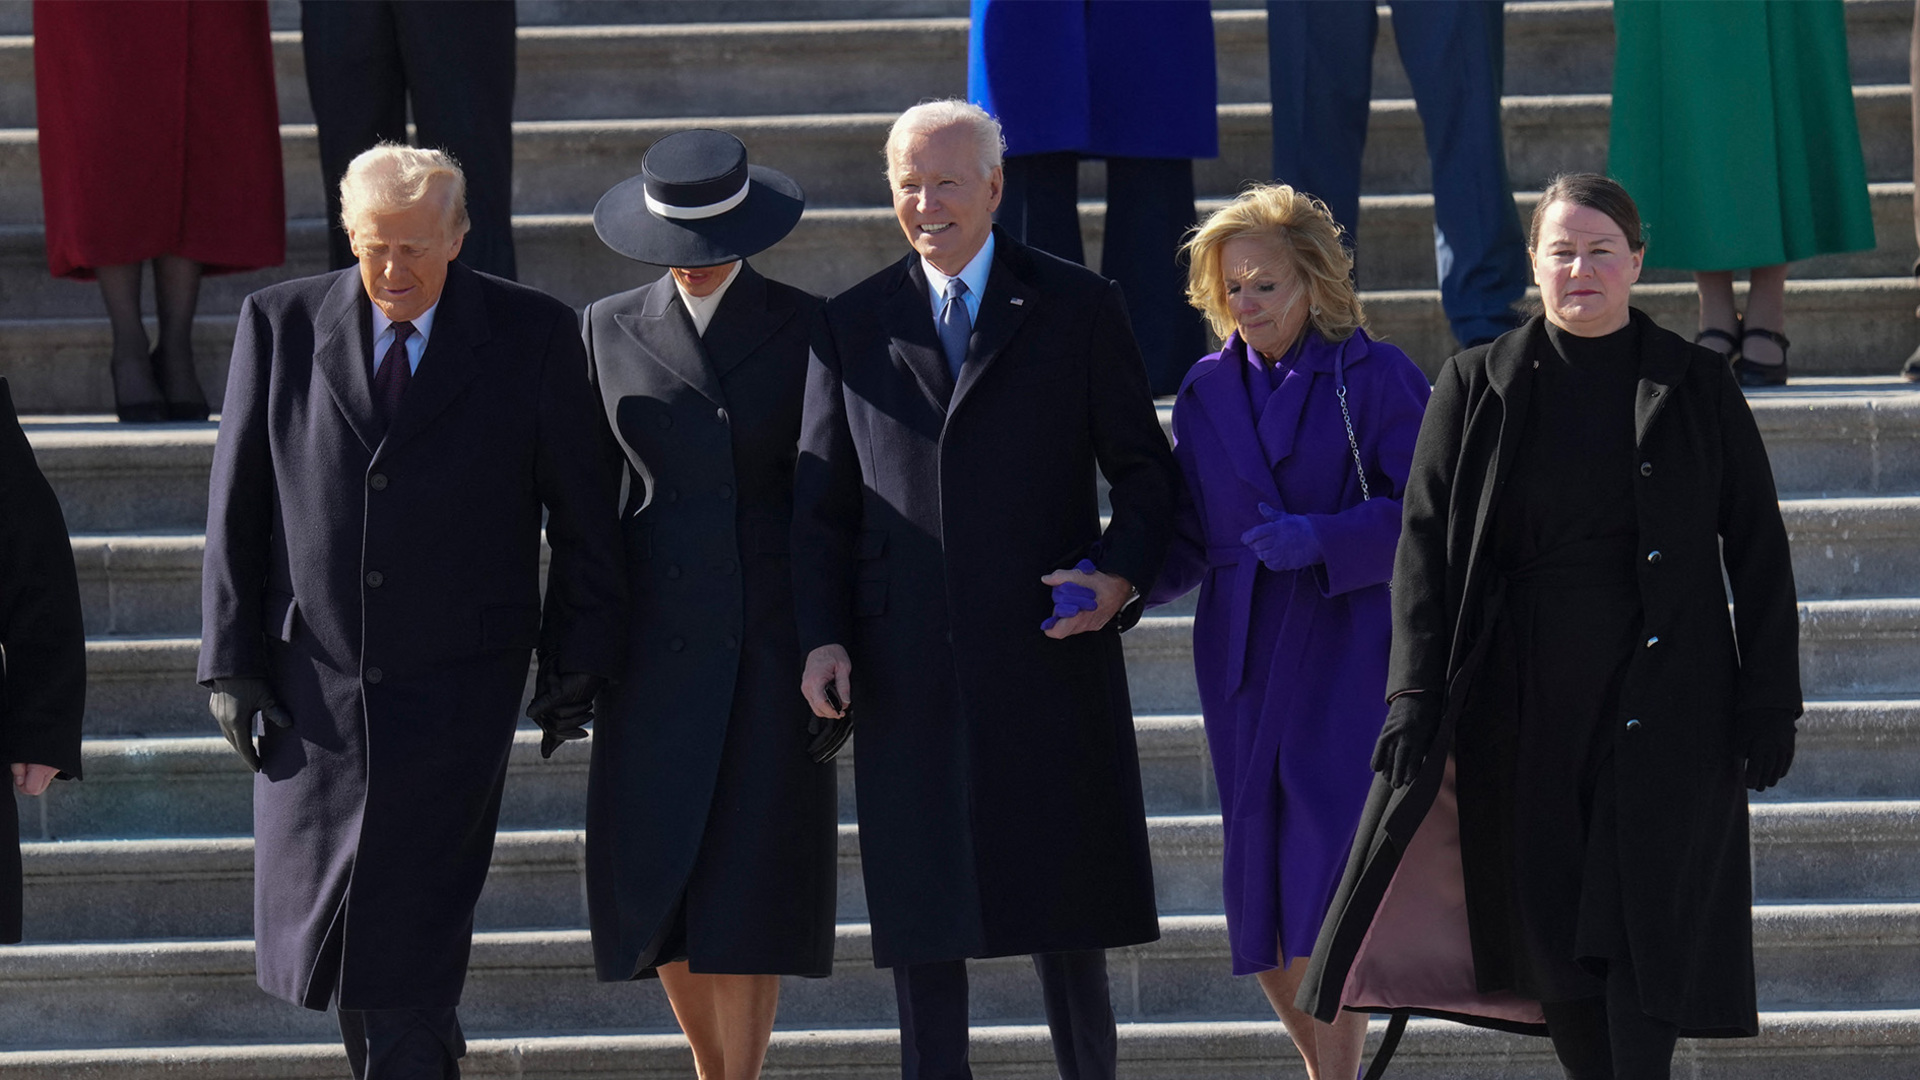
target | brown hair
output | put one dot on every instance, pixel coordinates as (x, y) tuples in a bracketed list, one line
[(1299, 226), (1595, 192)]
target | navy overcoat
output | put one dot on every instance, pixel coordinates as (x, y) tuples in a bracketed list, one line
[(1105, 78), (389, 589), (702, 799), (995, 768), (43, 684)]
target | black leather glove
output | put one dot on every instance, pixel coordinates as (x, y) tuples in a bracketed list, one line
[(1767, 748), (562, 704), (233, 703), (1412, 722)]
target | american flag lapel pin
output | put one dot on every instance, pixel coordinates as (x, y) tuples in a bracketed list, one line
[(1016, 301)]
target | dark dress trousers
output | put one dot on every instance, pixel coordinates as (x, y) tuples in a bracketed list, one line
[(1692, 684), (1320, 65), (711, 835), (43, 684), (997, 778), (389, 590), (452, 61)]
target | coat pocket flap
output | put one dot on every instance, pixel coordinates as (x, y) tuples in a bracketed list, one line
[(509, 628), (873, 543), (277, 611)]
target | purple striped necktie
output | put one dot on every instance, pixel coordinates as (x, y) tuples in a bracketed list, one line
[(390, 381)]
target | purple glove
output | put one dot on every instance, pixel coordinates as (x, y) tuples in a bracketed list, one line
[(1071, 598), (1283, 541)]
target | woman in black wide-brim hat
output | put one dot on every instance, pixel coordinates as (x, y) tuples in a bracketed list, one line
[(711, 846)]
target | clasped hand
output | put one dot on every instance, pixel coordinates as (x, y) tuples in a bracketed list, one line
[(562, 704), (1083, 599), (1283, 541), (233, 704)]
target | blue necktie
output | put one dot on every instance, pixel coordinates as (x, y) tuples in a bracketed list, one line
[(395, 374), (955, 326)]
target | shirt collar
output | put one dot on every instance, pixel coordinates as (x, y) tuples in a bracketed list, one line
[(974, 274), (422, 323), (701, 308)]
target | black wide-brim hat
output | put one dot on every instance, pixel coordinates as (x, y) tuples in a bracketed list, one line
[(697, 202)]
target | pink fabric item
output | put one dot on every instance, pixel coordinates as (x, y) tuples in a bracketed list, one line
[(1417, 955)]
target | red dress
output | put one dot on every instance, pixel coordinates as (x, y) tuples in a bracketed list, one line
[(159, 134)]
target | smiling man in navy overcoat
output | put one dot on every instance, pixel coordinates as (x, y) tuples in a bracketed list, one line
[(390, 438)]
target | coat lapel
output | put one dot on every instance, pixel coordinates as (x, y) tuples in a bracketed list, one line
[(343, 353), (1221, 394), (915, 343), (452, 360), (746, 318), (664, 331), (1003, 307), (1510, 367), (1663, 364)]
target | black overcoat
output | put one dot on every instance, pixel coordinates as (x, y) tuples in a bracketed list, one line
[(389, 589), (995, 768), (1705, 502), (43, 646), (701, 795)]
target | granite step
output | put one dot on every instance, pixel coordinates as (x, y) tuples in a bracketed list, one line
[(1862, 955), (193, 786), (101, 890), (1837, 1044)]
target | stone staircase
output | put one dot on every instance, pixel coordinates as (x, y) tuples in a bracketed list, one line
[(139, 961)]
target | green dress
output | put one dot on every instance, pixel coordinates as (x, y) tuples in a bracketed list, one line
[(1733, 129)]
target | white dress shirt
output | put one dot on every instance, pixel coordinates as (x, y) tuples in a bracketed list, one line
[(703, 307), (416, 344), (975, 274)]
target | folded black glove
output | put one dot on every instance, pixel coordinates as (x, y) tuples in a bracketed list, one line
[(233, 703), (1412, 722), (562, 705), (1767, 748)]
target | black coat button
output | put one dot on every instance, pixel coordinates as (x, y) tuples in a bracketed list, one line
[(374, 675), (1646, 468), (378, 481), (375, 579), (719, 416), (1633, 725), (677, 644), (673, 572), (1652, 641), (1653, 556), (726, 491)]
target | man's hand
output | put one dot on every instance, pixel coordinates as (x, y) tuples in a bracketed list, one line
[(562, 704), (1283, 541), (32, 779), (828, 664), (1109, 593), (233, 703)]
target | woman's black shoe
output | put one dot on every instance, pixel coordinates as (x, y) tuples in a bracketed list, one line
[(180, 411), (1754, 374)]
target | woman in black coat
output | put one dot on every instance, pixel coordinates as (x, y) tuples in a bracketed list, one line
[(711, 834), (1558, 840)]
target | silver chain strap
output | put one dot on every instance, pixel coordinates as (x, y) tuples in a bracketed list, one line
[(1352, 442)]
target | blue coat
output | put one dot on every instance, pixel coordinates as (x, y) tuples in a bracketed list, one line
[(1106, 78), (1292, 665)]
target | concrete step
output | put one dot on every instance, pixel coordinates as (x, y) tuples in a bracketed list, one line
[(1851, 547), (1828, 955), (1839, 1044), (100, 890), (186, 786), (599, 59)]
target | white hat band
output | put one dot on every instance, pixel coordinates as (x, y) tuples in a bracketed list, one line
[(695, 213)]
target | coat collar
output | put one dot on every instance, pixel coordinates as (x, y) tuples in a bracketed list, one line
[(908, 319), (343, 353), (1003, 307), (1664, 358), (748, 315), (453, 358), (664, 331)]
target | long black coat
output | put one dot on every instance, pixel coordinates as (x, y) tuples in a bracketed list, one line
[(43, 684), (701, 792), (997, 779), (389, 589), (1698, 684)]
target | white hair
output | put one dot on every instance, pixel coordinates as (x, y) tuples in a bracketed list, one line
[(931, 116), (392, 177)]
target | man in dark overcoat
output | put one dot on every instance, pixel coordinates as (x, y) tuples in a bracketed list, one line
[(372, 589), (43, 647), (948, 457)]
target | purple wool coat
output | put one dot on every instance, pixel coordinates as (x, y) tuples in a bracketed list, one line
[(1292, 665)]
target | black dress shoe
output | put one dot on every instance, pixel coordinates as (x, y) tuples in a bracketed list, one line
[(1910, 370)]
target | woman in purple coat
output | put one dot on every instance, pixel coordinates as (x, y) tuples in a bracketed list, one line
[(1295, 440)]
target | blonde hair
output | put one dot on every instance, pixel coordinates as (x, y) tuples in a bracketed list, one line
[(393, 177), (1297, 225), (931, 116)]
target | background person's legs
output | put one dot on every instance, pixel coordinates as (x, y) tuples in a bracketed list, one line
[(176, 289), (358, 90), (1149, 210), (136, 390)]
